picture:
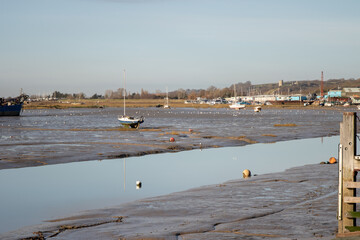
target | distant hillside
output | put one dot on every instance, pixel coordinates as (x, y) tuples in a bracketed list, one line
[(305, 87)]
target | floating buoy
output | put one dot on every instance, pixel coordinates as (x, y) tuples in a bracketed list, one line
[(138, 184), (332, 160), (246, 173), (172, 139)]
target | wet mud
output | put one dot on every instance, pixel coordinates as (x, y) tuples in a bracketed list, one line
[(299, 203), (41, 137)]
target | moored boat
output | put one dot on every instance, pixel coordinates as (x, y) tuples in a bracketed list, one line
[(132, 122), (129, 121), (257, 109), (237, 106), (328, 104), (12, 106)]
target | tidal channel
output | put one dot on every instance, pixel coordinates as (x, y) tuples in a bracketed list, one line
[(35, 194)]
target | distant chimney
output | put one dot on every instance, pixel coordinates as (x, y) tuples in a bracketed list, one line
[(322, 85)]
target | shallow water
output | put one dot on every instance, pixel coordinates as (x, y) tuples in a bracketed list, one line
[(32, 195)]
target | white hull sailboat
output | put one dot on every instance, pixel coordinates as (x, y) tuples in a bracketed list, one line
[(132, 122), (129, 121), (236, 105)]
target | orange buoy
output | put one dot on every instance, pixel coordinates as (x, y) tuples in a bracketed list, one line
[(172, 139), (332, 160)]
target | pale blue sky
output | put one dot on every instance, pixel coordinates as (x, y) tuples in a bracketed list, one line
[(83, 45)]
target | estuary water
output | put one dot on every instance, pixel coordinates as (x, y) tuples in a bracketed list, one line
[(32, 195)]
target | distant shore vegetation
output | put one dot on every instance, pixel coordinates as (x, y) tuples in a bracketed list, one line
[(306, 87)]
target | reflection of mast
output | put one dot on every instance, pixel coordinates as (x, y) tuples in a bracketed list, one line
[(124, 174)]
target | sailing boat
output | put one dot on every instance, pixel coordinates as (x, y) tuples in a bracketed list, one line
[(167, 99), (129, 121), (236, 105)]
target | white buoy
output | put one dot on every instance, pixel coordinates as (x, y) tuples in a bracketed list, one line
[(138, 184)]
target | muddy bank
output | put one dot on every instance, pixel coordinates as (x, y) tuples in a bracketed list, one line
[(299, 203), (52, 136)]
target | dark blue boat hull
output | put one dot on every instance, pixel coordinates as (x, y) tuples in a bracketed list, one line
[(13, 110)]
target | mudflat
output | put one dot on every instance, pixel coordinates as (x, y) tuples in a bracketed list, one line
[(51, 136), (298, 203)]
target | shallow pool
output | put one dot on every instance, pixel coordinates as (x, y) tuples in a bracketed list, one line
[(32, 195)]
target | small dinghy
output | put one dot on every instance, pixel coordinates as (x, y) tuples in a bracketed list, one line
[(257, 109)]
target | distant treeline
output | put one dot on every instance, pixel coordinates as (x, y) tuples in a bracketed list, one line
[(240, 89)]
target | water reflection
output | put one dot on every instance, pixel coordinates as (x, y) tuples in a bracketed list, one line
[(124, 174), (31, 195)]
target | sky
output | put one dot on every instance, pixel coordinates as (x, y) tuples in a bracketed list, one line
[(76, 46)]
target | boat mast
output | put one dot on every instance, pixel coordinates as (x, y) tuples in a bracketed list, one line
[(167, 97), (124, 91), (234, 93)]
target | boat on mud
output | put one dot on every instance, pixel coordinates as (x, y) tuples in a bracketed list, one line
[(237, 106), (12, 106), (129, 121), (257, 109)]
